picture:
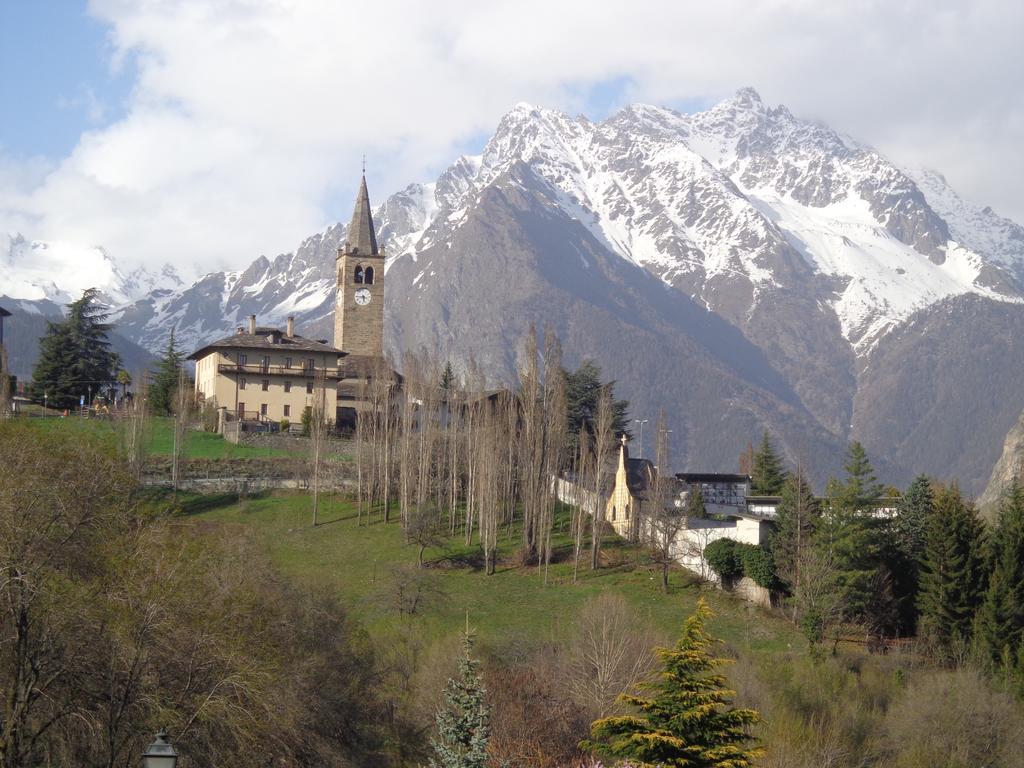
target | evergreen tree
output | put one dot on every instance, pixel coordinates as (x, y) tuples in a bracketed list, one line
[(906, 553), (951, 573), (855, 535), (463, 724), (165, 380), (688, 723), (999, 628), (768, 475), (695, 503), (582, 391), (74, 355), (447, 377), (795, 523)]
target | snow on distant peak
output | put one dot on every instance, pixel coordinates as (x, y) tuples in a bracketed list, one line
[(58, 271)]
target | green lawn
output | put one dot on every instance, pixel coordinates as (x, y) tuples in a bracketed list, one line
[(198, 445), (359, 563)]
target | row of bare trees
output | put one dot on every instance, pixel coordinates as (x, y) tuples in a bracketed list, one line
[(459, 459)]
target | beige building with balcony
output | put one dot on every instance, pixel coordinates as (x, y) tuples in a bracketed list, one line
[(267, 374)]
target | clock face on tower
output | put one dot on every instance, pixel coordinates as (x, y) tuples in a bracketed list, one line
[(363, 297)]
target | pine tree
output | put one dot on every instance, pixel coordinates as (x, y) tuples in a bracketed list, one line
[(447, 377), (768, 476), (795, 523), (463, 724), (583, 389), (74, 355), (951, 573), (999, 627), (165, 380), (906, 553), (855, 536), (688, 723), (912, 515)]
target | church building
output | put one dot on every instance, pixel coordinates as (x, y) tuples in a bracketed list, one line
[(265, 374)]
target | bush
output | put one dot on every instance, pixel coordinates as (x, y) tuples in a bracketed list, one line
[(721, 557), (757, 563), (732, 559), (285, 426)]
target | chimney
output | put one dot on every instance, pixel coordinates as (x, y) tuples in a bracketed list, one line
[(252, 325), (291, 326)]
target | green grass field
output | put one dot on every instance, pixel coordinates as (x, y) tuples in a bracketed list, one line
[(198, 445), (359, 563)]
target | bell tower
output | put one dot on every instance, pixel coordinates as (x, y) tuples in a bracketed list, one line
[(359, 307)]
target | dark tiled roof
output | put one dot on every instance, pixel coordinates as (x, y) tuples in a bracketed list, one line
[(360, 237), (265, 338)]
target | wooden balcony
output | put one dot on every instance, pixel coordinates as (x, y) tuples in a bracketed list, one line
[(257, 369)]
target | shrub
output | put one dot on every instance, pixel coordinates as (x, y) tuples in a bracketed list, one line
[(285, 425), (732, 559), (721, 557)]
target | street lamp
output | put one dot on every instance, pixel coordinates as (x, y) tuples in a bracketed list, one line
[(640, 452), (160, 753)]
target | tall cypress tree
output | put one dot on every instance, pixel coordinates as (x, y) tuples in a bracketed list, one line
[(165, 379), (688, 722), (796, 521), (74, 354), (951, 574), (768, 475), (463, 724), (999, 628)]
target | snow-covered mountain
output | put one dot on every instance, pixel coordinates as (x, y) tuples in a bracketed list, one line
[(58, 272), (792, 266)]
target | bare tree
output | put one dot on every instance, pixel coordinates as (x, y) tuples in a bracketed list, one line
[(603, 425), (664, 521), (318, 428), (183, 406), (134, 430), (609, 652)]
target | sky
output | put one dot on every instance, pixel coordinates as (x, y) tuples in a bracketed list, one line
[(203, 133)]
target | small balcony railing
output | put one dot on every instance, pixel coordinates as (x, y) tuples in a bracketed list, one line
[(258, 369)]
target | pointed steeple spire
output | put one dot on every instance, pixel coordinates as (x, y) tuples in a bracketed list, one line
[(361, 237)]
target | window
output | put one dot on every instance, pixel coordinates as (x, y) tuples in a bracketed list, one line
[(368, 276), (266, 385), (263, 409), (242, 359), (359, 275), (287, 362), (265, 363), (241, 410), (241, 383), (309, 387), (613, 513), (287, 411), (311, 364), (287, 388)]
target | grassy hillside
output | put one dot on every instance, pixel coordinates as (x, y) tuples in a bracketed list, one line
[(366, 565)]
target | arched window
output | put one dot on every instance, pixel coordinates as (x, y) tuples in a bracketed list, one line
[(613, 513), (359, 274), (369, 275)]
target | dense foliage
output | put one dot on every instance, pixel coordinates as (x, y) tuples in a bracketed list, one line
[(74, 355), (582, 393), (166, 379), (254, 673), (732, 559), (767, 476)]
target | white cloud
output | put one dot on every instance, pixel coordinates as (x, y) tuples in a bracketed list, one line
[(247, 116)]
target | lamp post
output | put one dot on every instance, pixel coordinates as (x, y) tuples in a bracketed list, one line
[(641, 423), (160, 754)]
